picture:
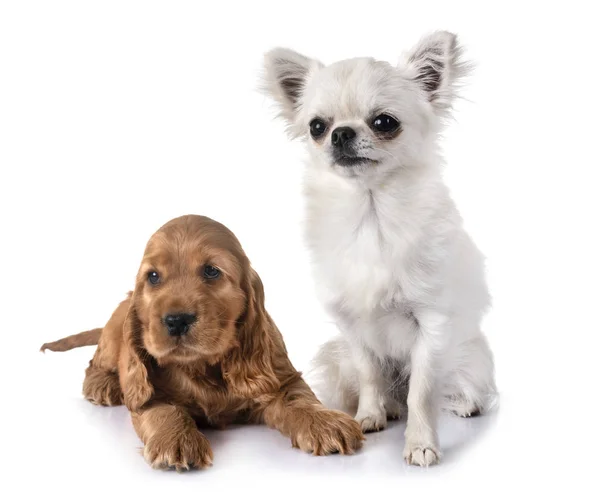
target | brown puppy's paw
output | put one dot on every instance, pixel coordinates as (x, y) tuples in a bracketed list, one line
[(328, 431), (182, 451), (102, 387)]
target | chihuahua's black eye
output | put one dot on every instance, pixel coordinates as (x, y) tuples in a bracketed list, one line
[(210, 272), (153, 278), (385, 123), (317, 127)]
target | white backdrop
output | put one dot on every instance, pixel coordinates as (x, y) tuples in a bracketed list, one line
[(116, 116)]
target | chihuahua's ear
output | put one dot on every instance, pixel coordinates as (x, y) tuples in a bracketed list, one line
[(134, 362), (285, 77), (435, 63)]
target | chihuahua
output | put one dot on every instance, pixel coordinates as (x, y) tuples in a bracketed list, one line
[(394, 266)]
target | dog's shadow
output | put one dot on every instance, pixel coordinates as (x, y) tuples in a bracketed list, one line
[(257, 446), (383, 451), (457, 434)]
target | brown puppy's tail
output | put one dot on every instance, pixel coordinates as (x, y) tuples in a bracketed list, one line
[(86, 338)]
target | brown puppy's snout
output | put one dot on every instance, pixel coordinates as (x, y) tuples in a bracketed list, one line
[(179, 323)]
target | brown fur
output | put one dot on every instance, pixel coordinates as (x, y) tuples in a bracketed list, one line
[(86, 338), (232, 366)]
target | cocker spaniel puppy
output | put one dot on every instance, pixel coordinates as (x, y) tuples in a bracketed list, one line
[(193, 345)]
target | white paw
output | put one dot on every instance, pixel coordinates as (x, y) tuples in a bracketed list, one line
[(394, 409), (461, 406), (422, 455), (371, 420)]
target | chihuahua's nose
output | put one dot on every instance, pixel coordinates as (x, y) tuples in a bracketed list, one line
[(179, 324), (341, 136)]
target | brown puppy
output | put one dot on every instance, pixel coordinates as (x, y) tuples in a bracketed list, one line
[(193, 344)]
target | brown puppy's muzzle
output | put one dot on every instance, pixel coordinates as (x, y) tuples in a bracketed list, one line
[(179, 323), (185, 325)]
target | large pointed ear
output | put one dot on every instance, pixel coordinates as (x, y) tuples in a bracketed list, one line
[(435, 64), (248, 369), (285, 77), (134, 362)]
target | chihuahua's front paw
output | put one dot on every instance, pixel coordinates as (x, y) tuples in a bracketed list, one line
[(181, 451), (371, 420), (328, 431), (421, 454)]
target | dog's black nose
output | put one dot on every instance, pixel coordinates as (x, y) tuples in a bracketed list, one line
[(179, 324), (342, 135)]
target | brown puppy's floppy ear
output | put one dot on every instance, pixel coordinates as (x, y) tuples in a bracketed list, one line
[(133, 362), (248, 369)]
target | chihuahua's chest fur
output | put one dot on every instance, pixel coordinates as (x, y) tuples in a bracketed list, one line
[(373, 254)]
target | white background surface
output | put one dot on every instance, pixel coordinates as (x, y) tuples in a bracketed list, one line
[(117, 116)]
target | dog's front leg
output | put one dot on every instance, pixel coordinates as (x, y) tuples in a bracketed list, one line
[(296, 412), (371, 414), (171, 438), (422, 446)]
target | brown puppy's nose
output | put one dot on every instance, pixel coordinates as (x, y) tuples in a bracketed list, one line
[(179, 324)]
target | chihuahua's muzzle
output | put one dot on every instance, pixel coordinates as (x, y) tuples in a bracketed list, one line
[(343, 147)]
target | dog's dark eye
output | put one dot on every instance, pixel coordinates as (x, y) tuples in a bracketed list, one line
[(210, 272), (153, 278), (317, 127), (385, 123)]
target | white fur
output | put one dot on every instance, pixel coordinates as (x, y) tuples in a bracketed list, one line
[(393, 264)]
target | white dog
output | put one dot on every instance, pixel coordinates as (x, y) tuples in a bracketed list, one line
[(393, 264)]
